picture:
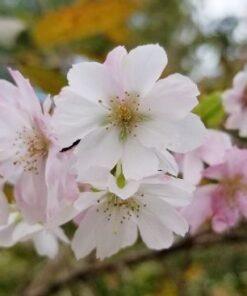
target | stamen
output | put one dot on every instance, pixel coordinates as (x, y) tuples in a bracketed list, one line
[(232, 186), (125, 114), (30, 146), (124, 209)]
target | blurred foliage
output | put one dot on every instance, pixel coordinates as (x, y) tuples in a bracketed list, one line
[(210, 110), (82, 20), (60, 32), (50, 80), (208, 272)]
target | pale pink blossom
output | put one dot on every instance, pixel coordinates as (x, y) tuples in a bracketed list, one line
[(49, 197), (30, 158), (235, 104), (122, 112), (112, 215), (42, 203), (223, 203), (211, 152), (26, 135)]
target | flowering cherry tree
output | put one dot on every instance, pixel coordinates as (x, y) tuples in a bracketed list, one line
[(117, 153)]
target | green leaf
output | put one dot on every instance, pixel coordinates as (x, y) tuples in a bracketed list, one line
[(210, 110)]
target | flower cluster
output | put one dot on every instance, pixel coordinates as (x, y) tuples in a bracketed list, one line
[(218, 167), (224, 201), (106, 154)]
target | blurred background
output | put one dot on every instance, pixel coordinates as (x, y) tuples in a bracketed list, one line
[(205, 39)]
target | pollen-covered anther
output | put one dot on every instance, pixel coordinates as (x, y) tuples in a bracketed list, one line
[(30, 146), (125, 114), (124, 209)]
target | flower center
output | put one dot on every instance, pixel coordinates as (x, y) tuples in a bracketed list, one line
[(125, 114), (30, 146), (124, 208), (232, 186)]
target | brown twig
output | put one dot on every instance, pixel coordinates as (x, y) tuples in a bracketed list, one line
[(96, 268)]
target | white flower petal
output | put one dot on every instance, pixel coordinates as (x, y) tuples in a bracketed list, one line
[(46, 244), (167, 162), (182, 184), (138, 161), (153, 232), (100, 148), (192, 168), (74, 117), (65, 214), (31, 195), (24, 231), (9, 92), (96, 176), (149, 136), (176, 195), (88, 199), (128, 190), (166, 214), (10, 118), (6, 235), (92, 81), (184, 135), (111, 236), (27, 97), (173, 96), (84, 240), (114, 62), (142, 67)]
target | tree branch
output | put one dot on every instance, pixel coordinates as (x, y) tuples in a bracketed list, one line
[(95, 268)]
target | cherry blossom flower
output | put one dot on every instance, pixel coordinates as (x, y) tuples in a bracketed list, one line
[(121, 112), (223, 203), (235, 104), (42, 203), (25, 129), (112, 215), (211, 152), (30, 158)]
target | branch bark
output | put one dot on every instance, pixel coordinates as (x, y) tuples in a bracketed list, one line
[(96, 268)]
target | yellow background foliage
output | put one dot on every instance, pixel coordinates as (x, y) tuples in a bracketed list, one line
[(84, 19)]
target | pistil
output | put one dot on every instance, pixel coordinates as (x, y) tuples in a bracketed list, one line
[(125, 114)]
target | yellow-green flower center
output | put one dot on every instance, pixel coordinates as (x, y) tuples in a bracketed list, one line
[(125, 114)]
